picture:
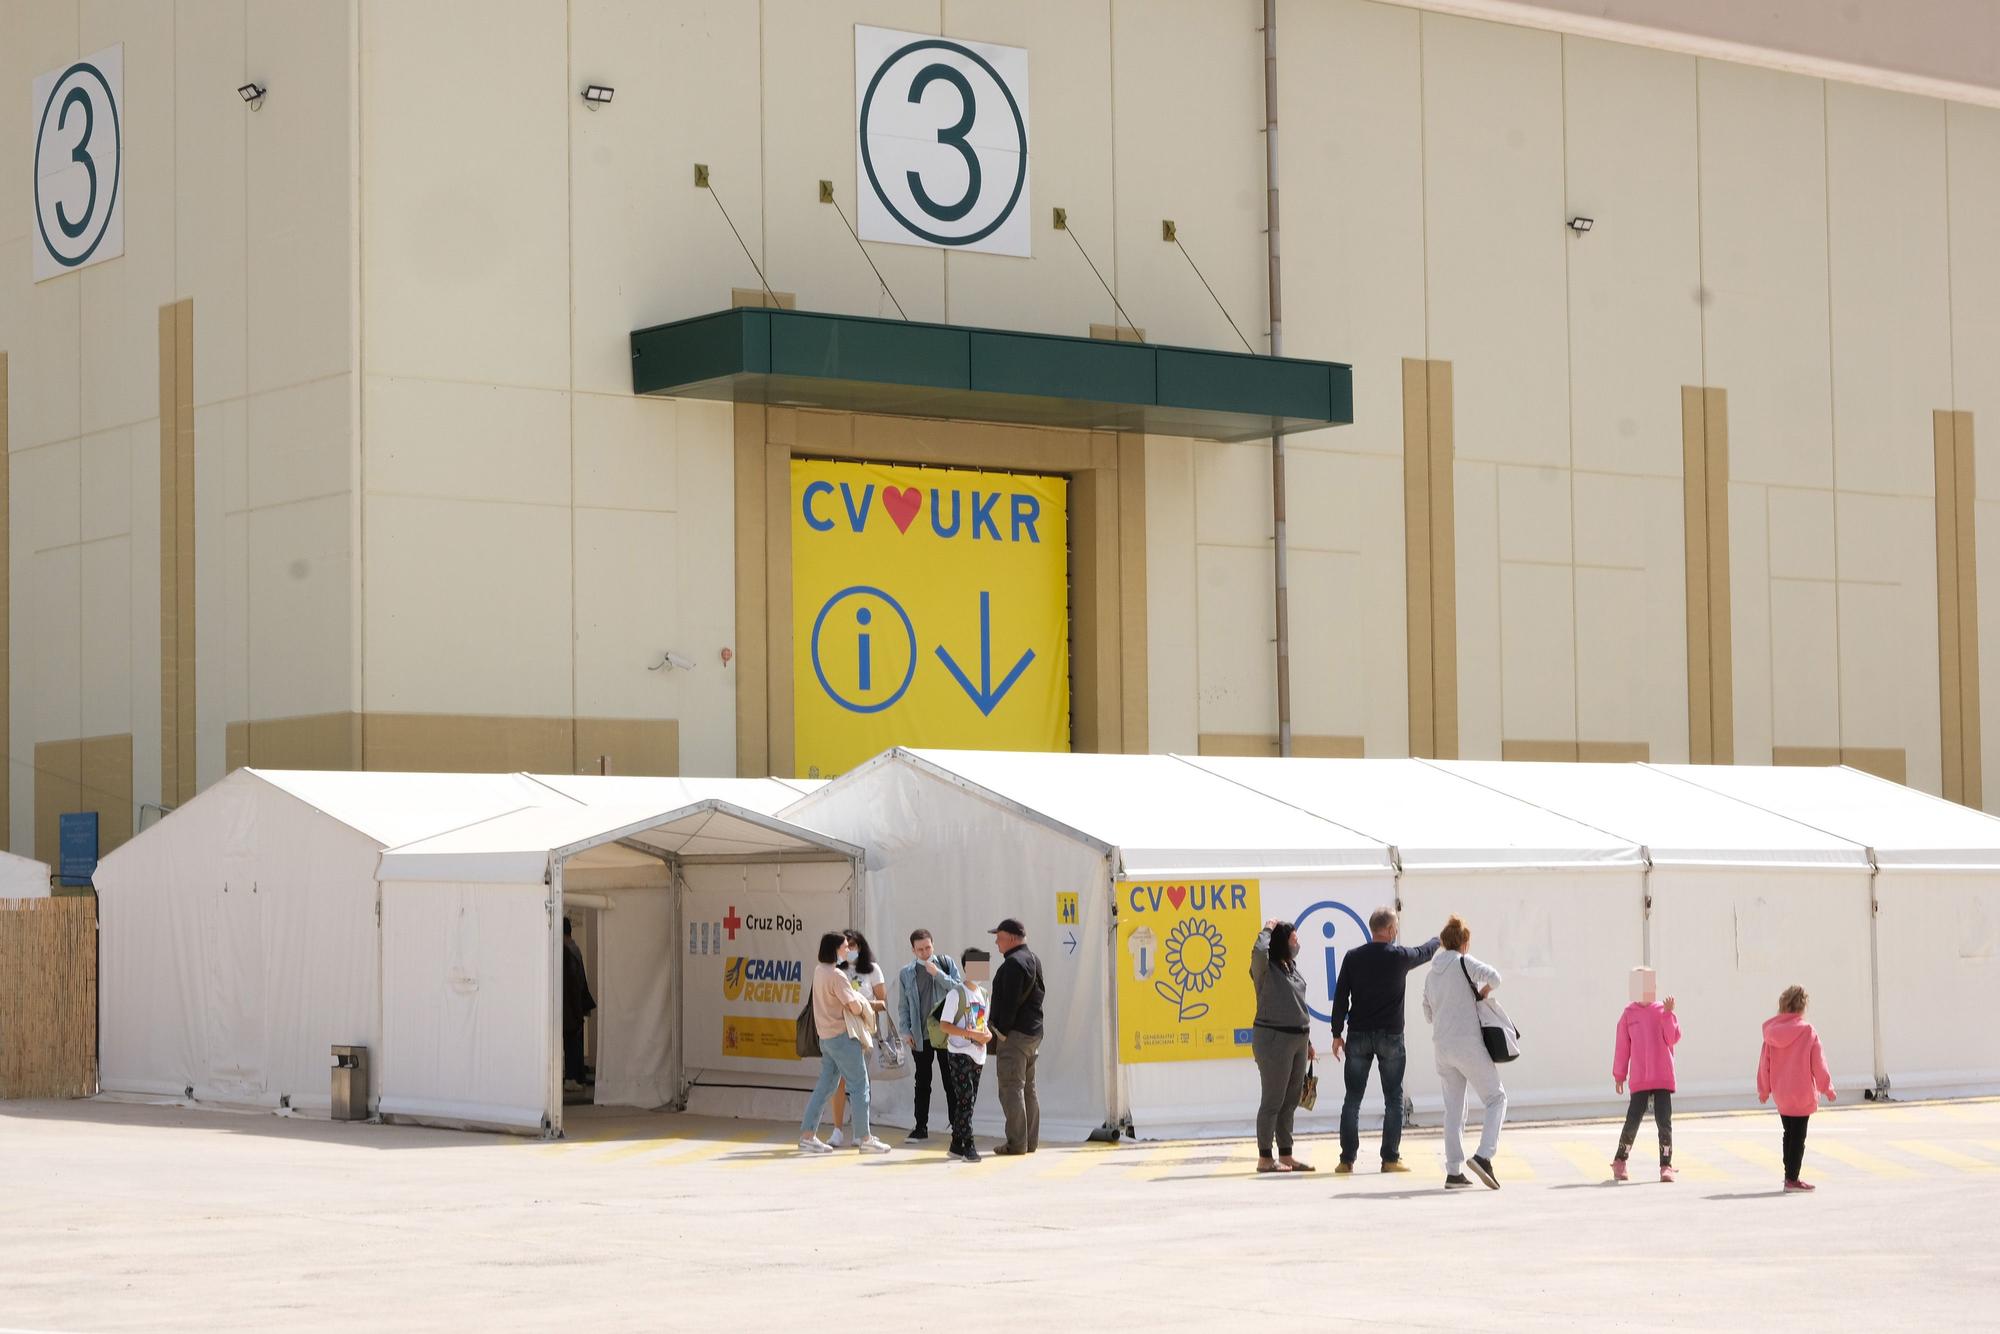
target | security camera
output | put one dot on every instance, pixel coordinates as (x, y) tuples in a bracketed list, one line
[(672, 661)]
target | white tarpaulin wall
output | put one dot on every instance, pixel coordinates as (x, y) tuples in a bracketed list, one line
[(238, 936), (1742, 903), (957, 840), (23, 877), (1937, 894), (482, 906), (1555, 905)]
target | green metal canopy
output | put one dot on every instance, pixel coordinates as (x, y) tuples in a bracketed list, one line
[(790, 358)]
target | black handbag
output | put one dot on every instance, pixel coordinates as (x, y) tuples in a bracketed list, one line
[(1503, 1043), (808, 1036)]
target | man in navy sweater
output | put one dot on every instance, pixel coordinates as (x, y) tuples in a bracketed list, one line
[(1368, 1006)]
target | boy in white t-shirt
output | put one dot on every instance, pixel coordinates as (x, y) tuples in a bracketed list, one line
[(962, 1018)]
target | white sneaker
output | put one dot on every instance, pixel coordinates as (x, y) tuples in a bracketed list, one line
[(836, 1139), (813, 1144), (872, 1145)]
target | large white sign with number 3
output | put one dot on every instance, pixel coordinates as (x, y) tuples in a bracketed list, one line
[(79, 164), (941, 128)]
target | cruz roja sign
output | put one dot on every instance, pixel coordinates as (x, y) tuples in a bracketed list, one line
[(941, 131), (79, 164), (930, 607)]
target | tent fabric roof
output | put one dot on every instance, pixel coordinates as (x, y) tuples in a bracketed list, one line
[(1160, 814), (766, 796), (1676, 821), (1433, 818), (393, 808), (519, 846), (1904, 827)]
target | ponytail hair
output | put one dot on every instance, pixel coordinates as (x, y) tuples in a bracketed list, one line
[(1455, 934)]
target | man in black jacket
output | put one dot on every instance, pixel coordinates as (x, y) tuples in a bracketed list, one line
[(577, 1005), (1015, 1017), (1368, 1003)]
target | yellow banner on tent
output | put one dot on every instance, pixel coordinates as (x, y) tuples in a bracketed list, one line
[(930, 607), (1183, 967)]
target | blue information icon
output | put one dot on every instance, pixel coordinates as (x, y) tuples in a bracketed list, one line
[(852, 612), (1333, 929)]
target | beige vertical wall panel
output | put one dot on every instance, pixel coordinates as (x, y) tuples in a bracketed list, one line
[(753, 651), (211, 189), (1418, 576), (1477, 617), (1331, 685), (1889, 628), (704, 465), (1129, 591), (1236, 622), (1951, 685), (1352, 203), (1694, 511), (1721, 637), (1494, 240), (1172, 600), (1441, 418), (1069, 59), (1963, 489), (808, 135), (687, 92), (1751, 627), (1764, 270), (1804, 695), (115, 346), (298, 592), (465, 268), (1187, 81), (1537, 651)]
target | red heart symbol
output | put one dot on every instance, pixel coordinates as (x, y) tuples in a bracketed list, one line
[(902, 505), (1175, 894)]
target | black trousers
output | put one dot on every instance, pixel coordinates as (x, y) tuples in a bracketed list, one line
[(1663, 1117), (961, 1091), (573, 1050), (1795, 1144), (927, 1057)]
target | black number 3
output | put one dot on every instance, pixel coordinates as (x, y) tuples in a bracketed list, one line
[(952, 135), (77, 97)]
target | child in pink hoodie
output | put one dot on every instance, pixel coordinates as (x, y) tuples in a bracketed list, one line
[(1647, 1033), (1793, 1068)]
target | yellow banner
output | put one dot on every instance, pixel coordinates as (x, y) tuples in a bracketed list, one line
[(930, 607), (1183, 964), (760, 1036)]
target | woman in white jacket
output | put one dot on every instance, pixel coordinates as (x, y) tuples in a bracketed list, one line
[(1452, 1007)]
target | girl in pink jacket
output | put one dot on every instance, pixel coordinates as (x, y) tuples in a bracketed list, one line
[(1793, 1069), (1647, 1033)]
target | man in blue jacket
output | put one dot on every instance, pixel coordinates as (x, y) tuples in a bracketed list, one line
[(1368, 1005), (918, 991)]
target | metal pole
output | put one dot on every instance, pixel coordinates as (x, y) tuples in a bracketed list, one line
[(1284, 625)]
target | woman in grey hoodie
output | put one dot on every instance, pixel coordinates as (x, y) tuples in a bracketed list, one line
[(1281, 1041)]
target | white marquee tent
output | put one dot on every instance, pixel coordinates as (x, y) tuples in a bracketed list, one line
[(240, 936), (1555, 905), (956, 840), (23, 877)]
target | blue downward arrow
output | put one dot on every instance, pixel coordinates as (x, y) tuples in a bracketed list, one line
[(986, 695)]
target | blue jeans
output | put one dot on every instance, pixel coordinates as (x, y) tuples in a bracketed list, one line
[(840, 1058), (1387, 1048)]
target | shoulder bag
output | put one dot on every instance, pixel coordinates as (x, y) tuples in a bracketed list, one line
[(807, 1041), (1503, 1039)]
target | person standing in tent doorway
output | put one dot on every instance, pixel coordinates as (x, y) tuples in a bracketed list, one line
[(577, 1005), (1016, 1021), (920, 986), (1647, 1035), (1368, 1027), (1452, 992), (962, 1022)]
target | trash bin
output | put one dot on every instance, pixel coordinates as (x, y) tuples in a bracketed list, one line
[(350, 1083)]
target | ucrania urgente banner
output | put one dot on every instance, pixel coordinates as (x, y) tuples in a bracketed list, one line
[(1183, 964), (930, 607)]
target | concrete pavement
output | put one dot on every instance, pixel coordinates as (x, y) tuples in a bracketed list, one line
[(124, 1217)]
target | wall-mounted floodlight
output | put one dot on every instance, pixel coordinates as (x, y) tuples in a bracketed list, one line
[(597, 95), (1581, 225), (252, 95)]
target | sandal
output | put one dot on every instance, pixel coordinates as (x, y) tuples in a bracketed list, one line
[(1266, 1165), (1296, 1166)]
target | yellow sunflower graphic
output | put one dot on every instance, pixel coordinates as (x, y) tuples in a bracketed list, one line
[(1194, 957)]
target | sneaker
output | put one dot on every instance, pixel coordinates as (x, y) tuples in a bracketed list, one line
[(836, 1139), (1457, 1181), (813, 1144), (872, 1145), (1618, 1172), (1484, 1171), (969, 1156), (1343, 1168), (918, 1133), (1394, 1165), (1798, 1185), (1667, 1172)]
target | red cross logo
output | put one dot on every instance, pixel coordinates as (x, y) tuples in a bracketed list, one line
[(731, 922)]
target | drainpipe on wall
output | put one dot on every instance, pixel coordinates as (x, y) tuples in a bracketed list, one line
[(1277, 350)]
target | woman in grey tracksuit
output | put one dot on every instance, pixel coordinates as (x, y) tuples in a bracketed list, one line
[(1281, 1041), (1452, 992)]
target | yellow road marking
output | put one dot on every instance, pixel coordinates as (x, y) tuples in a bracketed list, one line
[(715, 1148), (1761, 1156), (635, 1148), (1588, 1159), (1937, 1153), (1859, 1158), (1075, 1162)]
